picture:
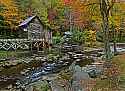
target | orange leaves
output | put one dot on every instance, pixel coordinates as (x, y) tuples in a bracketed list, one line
[(67, 2), (10, 12), (113, 71), (75, 4), (78, 12), (52, 14)]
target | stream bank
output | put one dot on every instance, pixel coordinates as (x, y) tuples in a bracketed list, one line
[(42, 66), (36, 67)]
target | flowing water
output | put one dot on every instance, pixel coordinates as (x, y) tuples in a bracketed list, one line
[(26, 73), (38, 65)]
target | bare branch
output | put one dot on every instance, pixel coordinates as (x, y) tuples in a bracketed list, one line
[(91, 4)]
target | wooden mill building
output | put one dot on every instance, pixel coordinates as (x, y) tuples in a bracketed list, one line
[(33, 28), (32, 34)]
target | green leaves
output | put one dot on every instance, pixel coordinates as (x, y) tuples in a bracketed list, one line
[(40, 9), (78, 36)]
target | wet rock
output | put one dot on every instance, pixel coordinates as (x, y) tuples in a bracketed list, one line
[(77, 68), (43, 60), (38, 58), (78, 75), (14, 63), (10, 63), (78, 56), (50, 77), (1, 60), (66, 63), (25, 71), (27, 60), (78, 60), (60, 61), (9, 87), (22, 73), (93, 70), (28, 68), (70, 53), (76, 86), (94, 55)]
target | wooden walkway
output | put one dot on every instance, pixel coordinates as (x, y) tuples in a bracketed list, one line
[(14, 44)]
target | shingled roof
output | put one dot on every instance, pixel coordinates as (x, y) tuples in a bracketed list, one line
[(25, 22)]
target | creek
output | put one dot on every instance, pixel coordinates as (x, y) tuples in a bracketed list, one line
[(26, 73)]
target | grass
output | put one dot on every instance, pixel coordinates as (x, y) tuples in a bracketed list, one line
[(101, 85), (104, 84), (120, 60), (6, 54)]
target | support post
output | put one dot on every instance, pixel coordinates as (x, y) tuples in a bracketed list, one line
[(31, 46), (37, 46)]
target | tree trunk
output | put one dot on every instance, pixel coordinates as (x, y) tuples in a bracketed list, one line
[(106, 39), (105, 14), (114, 40)]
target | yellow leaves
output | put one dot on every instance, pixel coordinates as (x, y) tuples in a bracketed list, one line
[(92, 34), (79, 13), (10, 12), (90, 38), (115, 20), (96, 18), (76, 5), (121, 6)]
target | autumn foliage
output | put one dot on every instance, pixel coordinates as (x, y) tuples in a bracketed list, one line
[(10, 12), (78, 13), (66, 2)]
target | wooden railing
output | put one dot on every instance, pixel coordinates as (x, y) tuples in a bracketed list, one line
[(14, 44), (26, 40)]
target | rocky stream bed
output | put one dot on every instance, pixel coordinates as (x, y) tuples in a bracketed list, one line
[(20, 73)]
